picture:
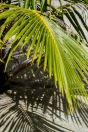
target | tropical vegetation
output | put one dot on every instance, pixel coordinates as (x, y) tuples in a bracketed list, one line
[(40, 32)]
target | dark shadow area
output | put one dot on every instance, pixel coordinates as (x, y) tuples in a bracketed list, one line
[(30, 102)]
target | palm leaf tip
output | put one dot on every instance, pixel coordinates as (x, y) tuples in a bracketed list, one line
[(64, 57)]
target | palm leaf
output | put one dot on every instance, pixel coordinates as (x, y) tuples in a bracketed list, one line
[(76, 20), (66, 59), (69, 8), (77, 1), (74, 12)]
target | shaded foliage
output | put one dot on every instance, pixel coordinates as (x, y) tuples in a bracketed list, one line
[(34, 37)]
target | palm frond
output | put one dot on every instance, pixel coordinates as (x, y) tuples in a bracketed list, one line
[(74, 15), (66, 59), (74, 12), (77, 1)]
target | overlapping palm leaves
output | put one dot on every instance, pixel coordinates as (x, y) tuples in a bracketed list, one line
[(78, 20), (65, 58), (73, 13)]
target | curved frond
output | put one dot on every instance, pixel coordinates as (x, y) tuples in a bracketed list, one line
[(65, 58)]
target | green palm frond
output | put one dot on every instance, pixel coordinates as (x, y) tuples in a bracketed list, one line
[(71, 9), (74, 14), (65, 58), (76, 19)]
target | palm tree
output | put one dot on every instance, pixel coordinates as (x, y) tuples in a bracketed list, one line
[(40, 31)]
